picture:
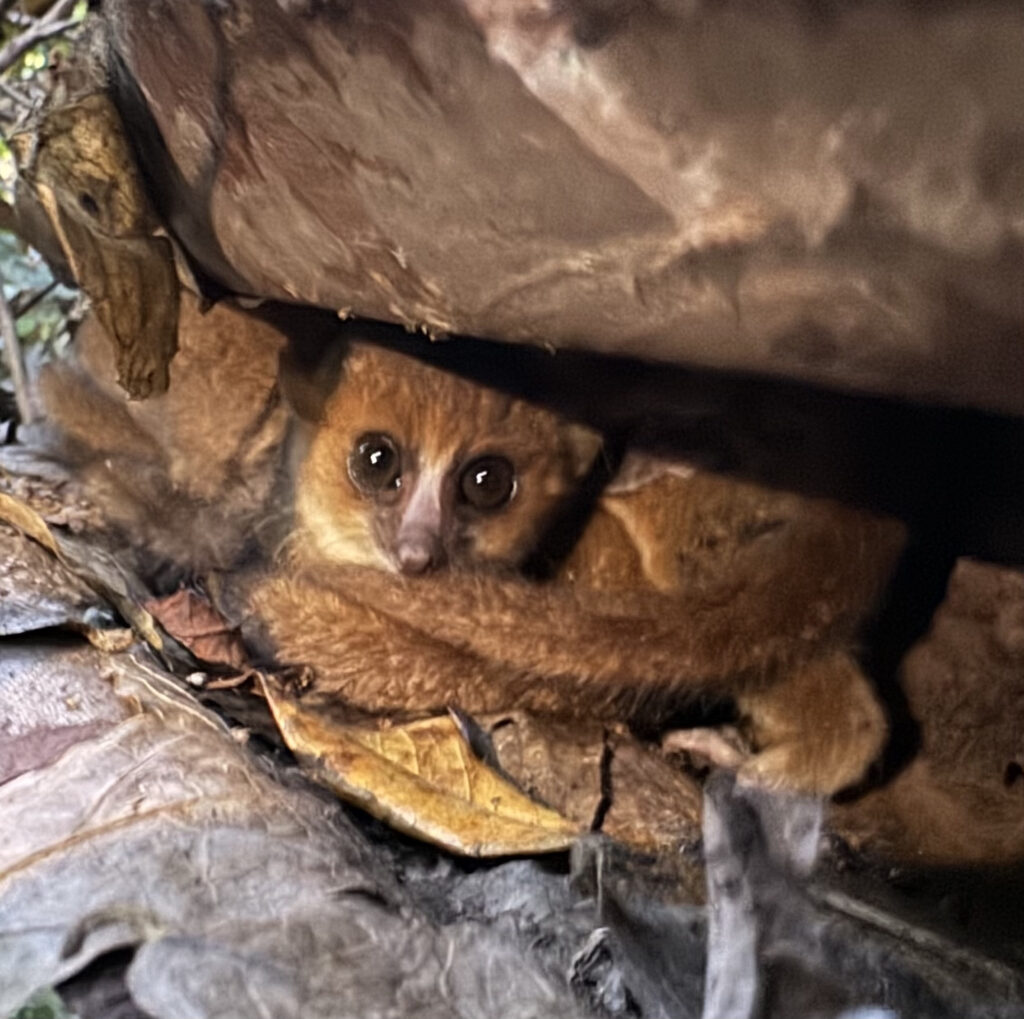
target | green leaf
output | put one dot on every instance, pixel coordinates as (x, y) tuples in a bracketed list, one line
[(44, 1005)]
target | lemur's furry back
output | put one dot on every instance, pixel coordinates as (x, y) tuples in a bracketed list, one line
[(192, 478), (418, 497), (422, 494)]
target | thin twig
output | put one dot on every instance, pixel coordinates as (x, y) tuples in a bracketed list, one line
[(21, 44), (54, 22), (58, 12), (19, 308), (19, 19), (16, 94), (906, 932), (14, 359)]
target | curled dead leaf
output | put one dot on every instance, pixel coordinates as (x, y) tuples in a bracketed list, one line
[(93, 568), (654, 804), (36, 592), (605, 780), (559, 764), (20, 515), (423, 779), (191, 619), (79, 163), (139, 822)]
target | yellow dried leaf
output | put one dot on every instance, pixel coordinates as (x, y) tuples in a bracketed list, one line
[(422, 779), (20, 515)]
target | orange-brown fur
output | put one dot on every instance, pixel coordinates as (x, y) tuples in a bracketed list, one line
[(688, 584), (683, 583), (187, 474), (419, 406)]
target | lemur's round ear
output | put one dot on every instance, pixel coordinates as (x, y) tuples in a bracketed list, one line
[(583, 445), (638, 469), (308, 372)]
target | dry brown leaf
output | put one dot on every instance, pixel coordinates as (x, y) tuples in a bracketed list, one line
[(139, 821), (191, 619), (654, 805), (422, 779), (51, 696), (80, 165), (606, 780), (559, 764)]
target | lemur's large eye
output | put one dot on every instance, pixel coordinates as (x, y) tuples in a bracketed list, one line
[(374, 464), (488, 483)]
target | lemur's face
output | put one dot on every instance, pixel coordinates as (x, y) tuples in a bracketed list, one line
[(413, 469)]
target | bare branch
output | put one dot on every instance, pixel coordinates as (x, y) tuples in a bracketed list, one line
[(54, 22), (19, 97), (19, 19), (24, 304), (60, 10), (14, 359)]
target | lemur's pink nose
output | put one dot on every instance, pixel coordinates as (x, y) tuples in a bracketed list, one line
[(417, 552)]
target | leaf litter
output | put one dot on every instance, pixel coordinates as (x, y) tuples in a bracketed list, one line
[(226, 858), (425, 779), (163, 833)]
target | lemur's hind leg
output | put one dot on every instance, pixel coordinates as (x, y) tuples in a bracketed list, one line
[(816, 729)]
